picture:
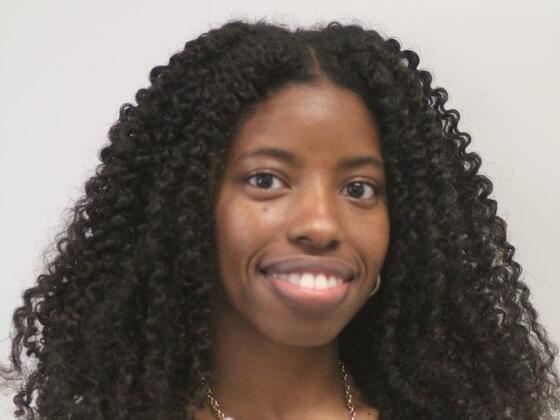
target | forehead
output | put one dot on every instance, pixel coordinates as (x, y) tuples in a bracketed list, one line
[(323, 120)]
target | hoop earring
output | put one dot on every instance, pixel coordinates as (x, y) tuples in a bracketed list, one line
[(376, 287)]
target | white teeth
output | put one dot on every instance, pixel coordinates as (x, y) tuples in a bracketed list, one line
[(331, 282), (294, 278), (321, 282), (309, 280)]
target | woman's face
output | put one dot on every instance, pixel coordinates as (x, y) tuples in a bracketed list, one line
[(289, 205)]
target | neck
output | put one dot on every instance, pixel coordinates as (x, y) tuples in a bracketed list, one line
[(258, 378)]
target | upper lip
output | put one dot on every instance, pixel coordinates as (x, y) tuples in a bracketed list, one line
[(326, 265)]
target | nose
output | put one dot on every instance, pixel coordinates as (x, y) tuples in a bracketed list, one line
[(313, 218)]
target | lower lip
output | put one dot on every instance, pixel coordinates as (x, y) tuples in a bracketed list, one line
[(316, 299)]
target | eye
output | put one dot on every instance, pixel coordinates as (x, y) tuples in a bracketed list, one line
[(357, 188), (263, 179)]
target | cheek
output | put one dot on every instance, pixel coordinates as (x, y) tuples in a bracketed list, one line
[(233, 229), (372, 237), (241, 229)]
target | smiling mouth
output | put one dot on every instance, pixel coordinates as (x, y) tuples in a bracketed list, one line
[(311, 284), (309, 279), (304, 290), (308, 265)]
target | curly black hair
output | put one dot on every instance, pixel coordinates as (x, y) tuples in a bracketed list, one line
[(118, 323)]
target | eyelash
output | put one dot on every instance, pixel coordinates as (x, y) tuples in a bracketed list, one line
[(373, 186)]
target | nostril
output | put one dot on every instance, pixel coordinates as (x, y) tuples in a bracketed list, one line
[(316, 243)]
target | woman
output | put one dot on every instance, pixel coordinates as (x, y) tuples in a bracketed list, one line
[(286, 226)]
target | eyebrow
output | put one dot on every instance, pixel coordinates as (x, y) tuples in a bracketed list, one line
[(291, 159)]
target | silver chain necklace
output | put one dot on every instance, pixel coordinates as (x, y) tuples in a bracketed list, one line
[(347, 395)]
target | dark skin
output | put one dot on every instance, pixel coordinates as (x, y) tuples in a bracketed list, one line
[(271, 360)]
